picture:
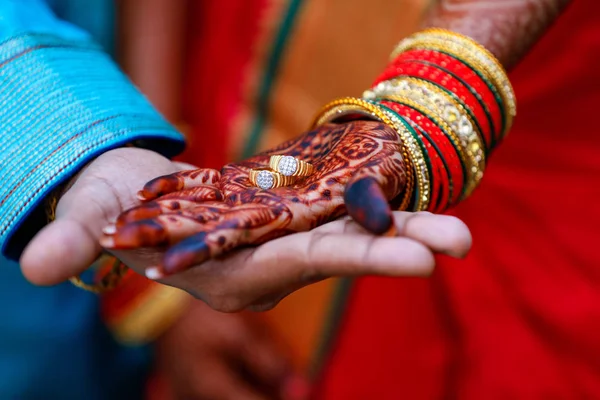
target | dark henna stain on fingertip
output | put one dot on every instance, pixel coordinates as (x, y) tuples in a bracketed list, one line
[(146, 233), (175, 205), (142, 212), (187, 253), (162, 185), (367, 205)]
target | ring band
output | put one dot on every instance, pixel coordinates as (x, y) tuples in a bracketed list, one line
[(291, 166), (266, 179)]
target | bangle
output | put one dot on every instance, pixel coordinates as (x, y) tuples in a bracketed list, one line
[(438, 101), (475, 100), (486, 57), (412, 153), (470, 56), (447, 150), (485, 105), (471, 163)]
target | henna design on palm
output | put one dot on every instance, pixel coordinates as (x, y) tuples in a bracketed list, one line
[(202, 214)]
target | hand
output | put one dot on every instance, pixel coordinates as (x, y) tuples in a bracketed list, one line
[(210, 355), (258, 278), (94, 198), (359, 168)]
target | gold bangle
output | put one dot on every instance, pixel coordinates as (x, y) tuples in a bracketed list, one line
[(500, 83), (448, 109), (290, 166), (108, 281), (469, 159), (266, 179), (486, 57), (411, 152)]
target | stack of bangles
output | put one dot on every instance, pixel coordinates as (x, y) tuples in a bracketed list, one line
[(450, 101)]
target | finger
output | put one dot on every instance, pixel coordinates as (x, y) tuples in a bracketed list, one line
[(291, 262), (185, 199), (368, 206), (442, 233), (163, 229), (295, 261), (249, 224), (370, 189), (180, 180), (159, 231)]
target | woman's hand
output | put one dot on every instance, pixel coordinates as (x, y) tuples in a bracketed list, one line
[(203, 214)]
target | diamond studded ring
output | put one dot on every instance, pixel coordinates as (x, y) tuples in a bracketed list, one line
[(291, 166), (266, 179)]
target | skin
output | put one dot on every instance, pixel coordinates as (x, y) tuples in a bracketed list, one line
[(204, 214), (256, 277), (508, 28)]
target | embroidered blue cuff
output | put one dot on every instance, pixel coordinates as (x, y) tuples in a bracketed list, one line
[(63, 102)]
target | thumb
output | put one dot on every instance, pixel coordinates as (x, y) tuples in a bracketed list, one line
[(367, 204), (102, 190), (70, 244)]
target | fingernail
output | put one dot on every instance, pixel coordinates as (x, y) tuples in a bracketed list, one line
[(107, 242), (140, 195), (296, 387), (109, 229), (154, 273)]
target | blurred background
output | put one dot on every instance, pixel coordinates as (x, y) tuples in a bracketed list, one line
[(240, 76)]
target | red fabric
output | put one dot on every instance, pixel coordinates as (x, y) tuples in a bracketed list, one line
[(519, 319), (221, 39)]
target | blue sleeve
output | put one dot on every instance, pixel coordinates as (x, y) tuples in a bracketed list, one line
[(62, 102)]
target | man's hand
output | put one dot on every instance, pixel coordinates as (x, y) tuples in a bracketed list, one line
[(258, 278), (96, 196)]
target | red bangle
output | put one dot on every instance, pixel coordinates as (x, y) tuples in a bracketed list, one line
[(471, 100), (440, 178), (453, 175), (463, 71)]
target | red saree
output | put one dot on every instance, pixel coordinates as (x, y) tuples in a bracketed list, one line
[(518, 318)]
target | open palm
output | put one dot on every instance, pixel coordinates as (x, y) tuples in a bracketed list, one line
[(203, 214)]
